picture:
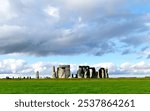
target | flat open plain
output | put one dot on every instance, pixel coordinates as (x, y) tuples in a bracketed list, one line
[(76, 86)]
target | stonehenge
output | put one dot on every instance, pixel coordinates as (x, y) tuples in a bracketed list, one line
[(63, 71)]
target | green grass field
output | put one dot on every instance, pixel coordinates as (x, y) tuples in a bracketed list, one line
[(76, 86)]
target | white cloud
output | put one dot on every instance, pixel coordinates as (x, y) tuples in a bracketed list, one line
[(52, 11), (145, 52), (108, 65), (138, 68), (125, 65), (7, 11), (11, 65), (22, 67), (41, 66)]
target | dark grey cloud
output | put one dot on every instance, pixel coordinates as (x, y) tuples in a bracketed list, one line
[(105, 48), (135, 40), (44, 28), (144, 48), (127, 51)]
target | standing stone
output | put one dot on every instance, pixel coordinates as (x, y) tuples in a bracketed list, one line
[(93, 73), (103, 73), (99, 74), (76, 76), (107, 75), (86, 72), (53, 72), (37, 75), (57, 72), (63, 71), (72, 76), (83, 72), (80, 72), (67, 72)]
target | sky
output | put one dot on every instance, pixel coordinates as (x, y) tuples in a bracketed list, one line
[(37, 34)]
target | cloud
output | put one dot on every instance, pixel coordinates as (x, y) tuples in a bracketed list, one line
[(145, 52), (144, 48), (11, 65), (136, 41), (138, 68), (111, 66), (6, 10), (43, 28), (127, 51), (52, 11), (19, 67)]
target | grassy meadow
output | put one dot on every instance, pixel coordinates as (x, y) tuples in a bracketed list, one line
[(76, 86)]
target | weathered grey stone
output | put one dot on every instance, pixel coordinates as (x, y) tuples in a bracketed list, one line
[(64, 66), (37, 75), (67, 72), (80, 72), (103, 73), (53, 72), (72, 76), (93, 73), (63, 71), (107, 75), (83, 72), (57, 72), (76, 76), (87, 73), (97, 73)]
